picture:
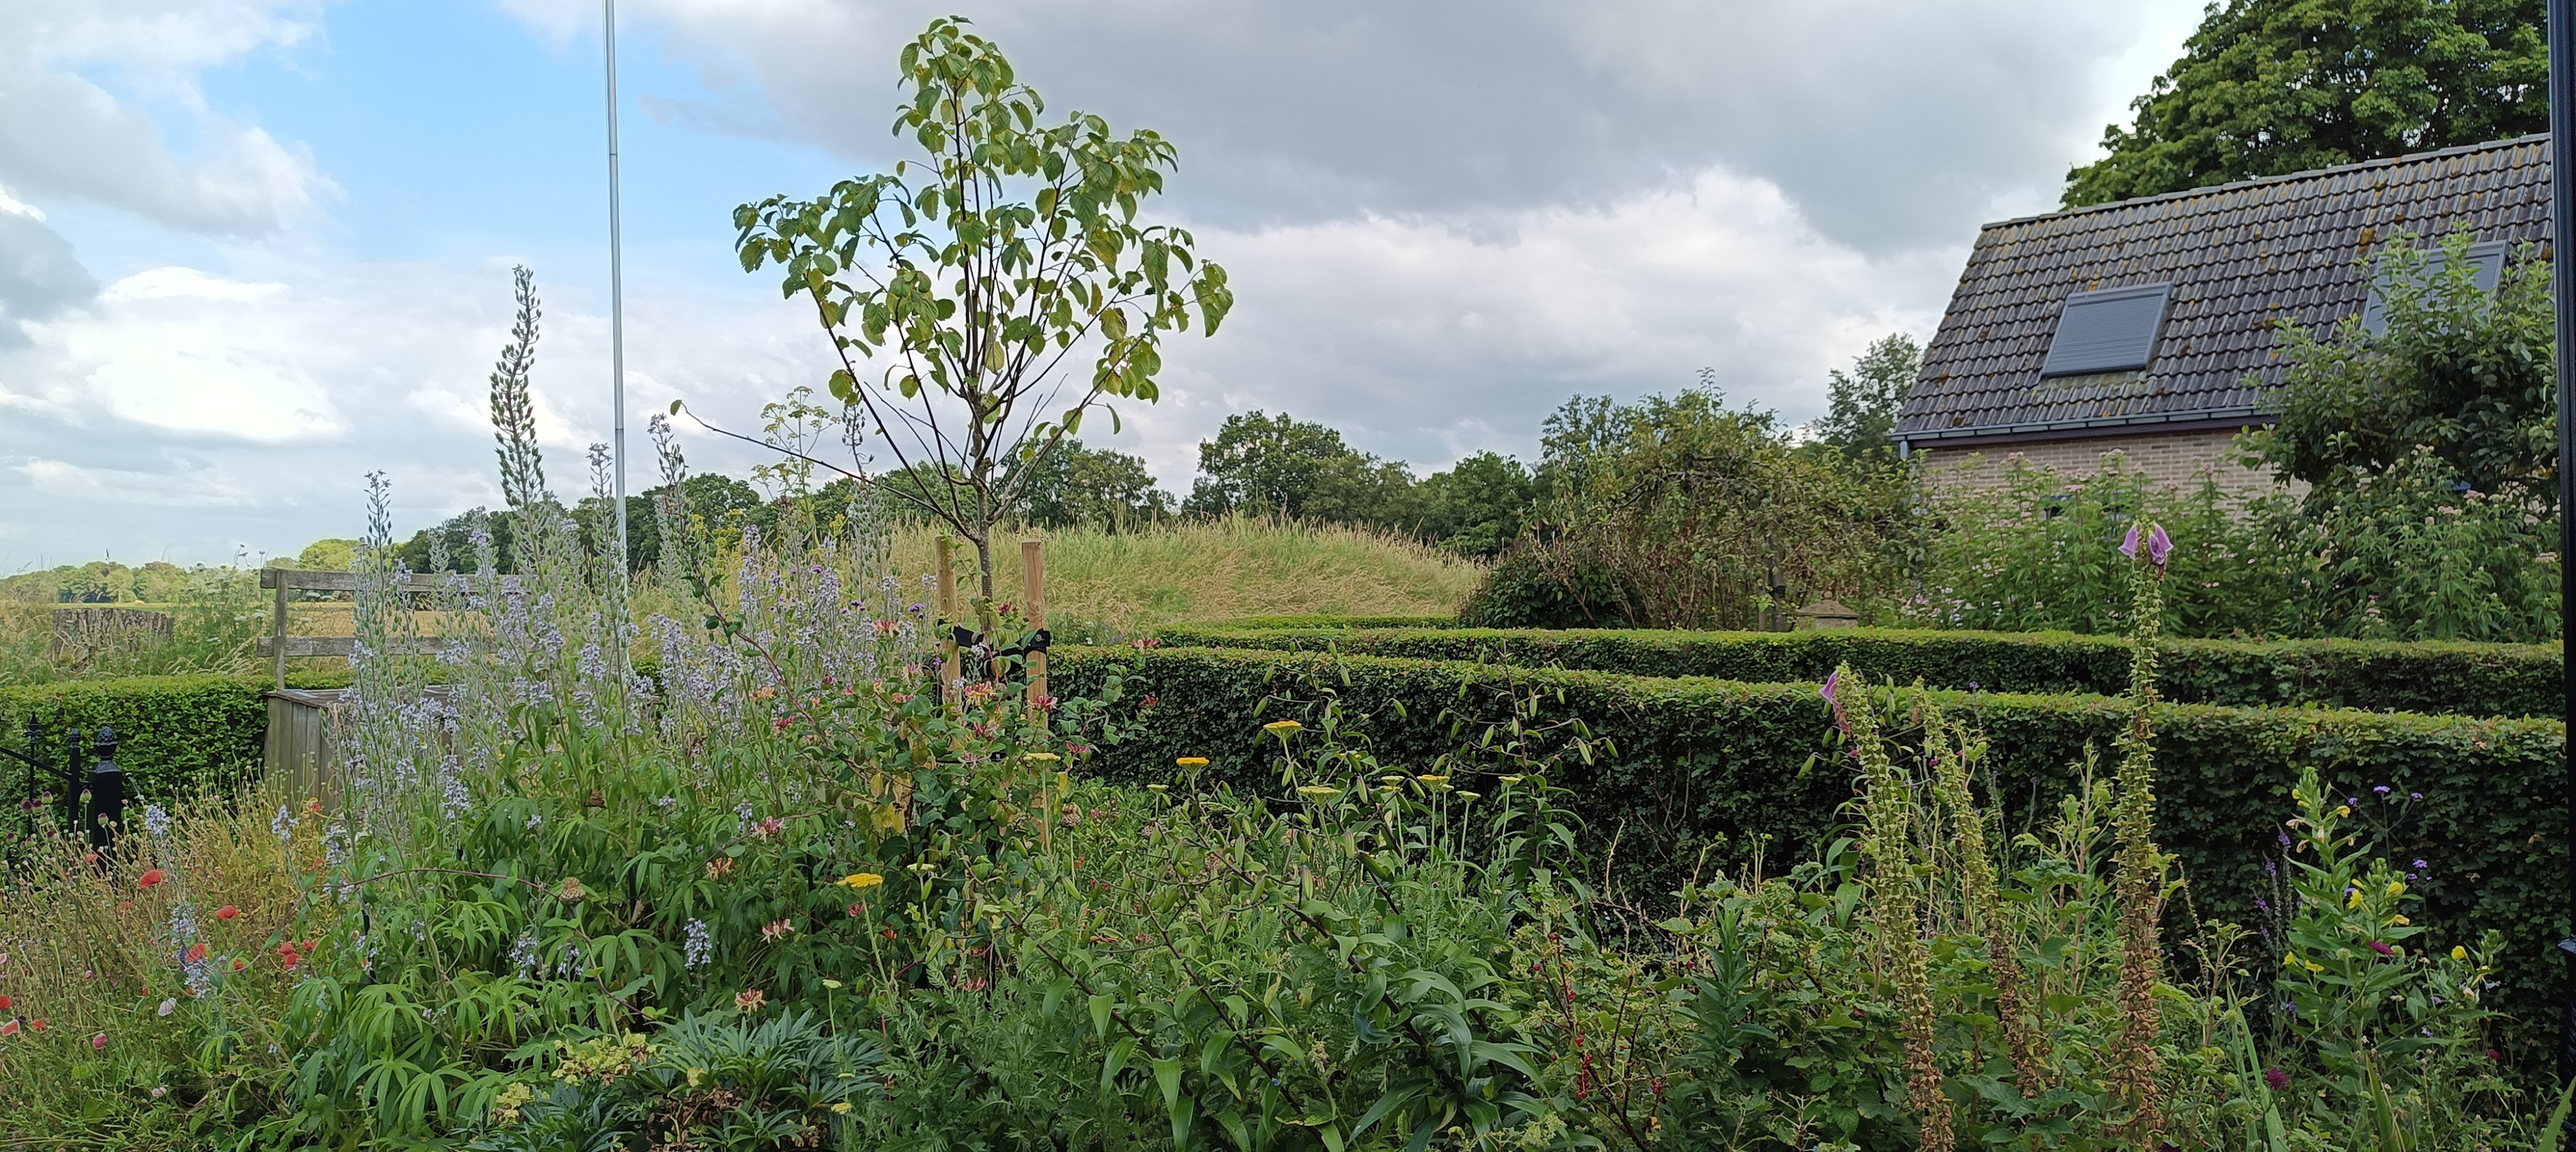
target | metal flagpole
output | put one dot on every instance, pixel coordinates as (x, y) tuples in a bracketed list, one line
[(616, 296), (2562, 247)]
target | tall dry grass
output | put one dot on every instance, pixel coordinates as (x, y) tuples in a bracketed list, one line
[(1214, 570)]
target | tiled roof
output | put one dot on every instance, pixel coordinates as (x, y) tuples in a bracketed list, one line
[(2240, 257)]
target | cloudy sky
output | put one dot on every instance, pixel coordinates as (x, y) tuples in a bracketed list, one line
[(253, 249)]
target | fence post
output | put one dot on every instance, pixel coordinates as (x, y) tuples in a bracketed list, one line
[(106, 792), (277, 627)]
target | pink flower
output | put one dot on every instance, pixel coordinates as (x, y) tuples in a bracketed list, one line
[(2129, 543), (2276, 1079), (2159, 545), (97, 1042), (2382, 949), (777, 930), (750, 1001)]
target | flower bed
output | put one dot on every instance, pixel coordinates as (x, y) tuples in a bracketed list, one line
[(2432, 677)]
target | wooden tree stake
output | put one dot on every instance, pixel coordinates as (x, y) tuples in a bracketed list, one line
[(949, 666)]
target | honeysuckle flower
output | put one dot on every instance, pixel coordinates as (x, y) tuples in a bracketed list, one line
[(1281, 726), (861, 881), (777, 930), (750, 1001), (1191, 761)]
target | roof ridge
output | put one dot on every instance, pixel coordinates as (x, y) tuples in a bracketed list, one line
[(2309, 174)]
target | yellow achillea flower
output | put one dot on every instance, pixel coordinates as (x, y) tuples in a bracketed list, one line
[(1281, 726), (1319, 791), (1191, 761), (861, 881)]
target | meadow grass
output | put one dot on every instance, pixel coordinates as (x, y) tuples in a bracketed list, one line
[(1214, 570)]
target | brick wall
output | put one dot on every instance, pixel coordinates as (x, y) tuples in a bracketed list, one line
[(2175, 459)]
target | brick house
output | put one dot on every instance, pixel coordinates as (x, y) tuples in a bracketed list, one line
[(2147, 326)]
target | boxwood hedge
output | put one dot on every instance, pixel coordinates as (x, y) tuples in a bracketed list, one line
[(2469, 679), (1722, 770), (176, 734)]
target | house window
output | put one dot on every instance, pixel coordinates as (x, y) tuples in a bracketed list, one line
[(2113, 330), (2486, 267)]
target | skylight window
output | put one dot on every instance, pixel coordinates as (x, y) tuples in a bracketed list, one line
[(2113, 330), (2486, 267)]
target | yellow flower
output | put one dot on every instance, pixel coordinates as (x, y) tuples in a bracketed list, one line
[(1471, 795), (1281, 726), (842, 1108), (2459, 953), (1319, 791), (2313, 966), (2340, 810), (861, 881), (2399, 920), (1192, 761), (1041, 756), (2355, 900), (2396, 887)]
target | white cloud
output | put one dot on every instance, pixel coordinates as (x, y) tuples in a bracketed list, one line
[(65, 132)]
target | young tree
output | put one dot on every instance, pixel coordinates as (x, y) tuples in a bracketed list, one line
[(958, 291), (2270, 87), (1867, 400)]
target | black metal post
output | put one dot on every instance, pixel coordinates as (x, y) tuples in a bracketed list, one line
[(2562, 261), (106, 793)]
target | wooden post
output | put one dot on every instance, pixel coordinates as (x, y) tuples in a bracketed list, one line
[(277, 630), (950, 668), (1033, 602)]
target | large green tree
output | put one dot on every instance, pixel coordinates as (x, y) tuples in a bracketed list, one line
[(2270, 87), (961, 292), (1866, 401), (1283, 466)]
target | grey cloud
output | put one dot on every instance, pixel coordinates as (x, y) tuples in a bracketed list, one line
[(1892, 124), (39, 275)]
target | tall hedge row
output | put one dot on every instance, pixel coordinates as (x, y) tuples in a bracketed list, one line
[(2467, 679), (1729, 769), (176, 734)]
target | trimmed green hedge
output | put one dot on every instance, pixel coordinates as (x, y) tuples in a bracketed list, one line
[(1734, 768), (1318, 620), (175, 734), (2439, 678)]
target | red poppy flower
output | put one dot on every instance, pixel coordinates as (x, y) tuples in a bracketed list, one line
[(150, 877), (239, 963), (37, 1025), (227, 912), (4, 1003), (196, 952), (9, 1028)]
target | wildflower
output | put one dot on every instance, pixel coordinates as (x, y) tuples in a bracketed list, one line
[(160, 1090), (2400, 921), (2457, 953), (750, 1001), (719, 868), (2129, 543), (156, 820), (2353, 900), (36, 1025), (698, 947), (97, 1042), (2382, 949), (9, 1028), (2343, 810), (2276, 1079), (4, 1003), (196, 953), (768, 828), (1282, 726), (2381, 789), (150, 877), (841, 1108), (2396, 887), (239, 963), (777, 930), (861, 881), (169, 1006), (2159, 545), (227, 912), (1319, 791), (287, 954), (1191, 761)]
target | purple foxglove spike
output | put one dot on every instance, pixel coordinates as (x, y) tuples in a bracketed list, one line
[(2159, 545), (1832, 679), (2129, 543)]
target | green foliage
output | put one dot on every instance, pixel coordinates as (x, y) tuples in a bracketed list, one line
[(1014, 245), (514, 418), (327, 555), (1477, 506), (1683, 512), (2413, 554), (1686, 766), (102, 582), (1279, 466), (2271, 87), (1073, 485), (2459, 373), (1864, 403), (216, 615), (179, 736), (2426, 677)]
